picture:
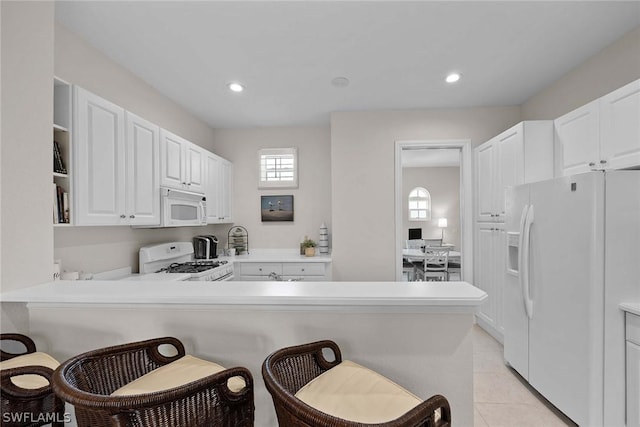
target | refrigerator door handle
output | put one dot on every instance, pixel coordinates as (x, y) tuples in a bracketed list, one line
[(521, 272), (523, 218), (526, 261)]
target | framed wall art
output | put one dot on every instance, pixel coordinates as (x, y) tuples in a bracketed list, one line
[(276, 208)]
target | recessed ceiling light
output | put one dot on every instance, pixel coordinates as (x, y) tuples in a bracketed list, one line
[(340, 82), (453, 77), (235, 87)]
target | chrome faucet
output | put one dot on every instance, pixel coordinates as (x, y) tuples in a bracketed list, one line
[(275, 276)]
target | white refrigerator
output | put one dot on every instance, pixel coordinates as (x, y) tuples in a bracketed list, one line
[(573, 255)]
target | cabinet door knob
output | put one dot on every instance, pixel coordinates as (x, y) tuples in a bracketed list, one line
[(123, 216), (260, 269), (184, 183), (592, 164), (303, 269), (602, 162), (132, 216)]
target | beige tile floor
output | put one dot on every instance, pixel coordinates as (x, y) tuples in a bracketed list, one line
[(500, 397)]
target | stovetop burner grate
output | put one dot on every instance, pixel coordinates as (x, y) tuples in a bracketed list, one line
[(192, 267)]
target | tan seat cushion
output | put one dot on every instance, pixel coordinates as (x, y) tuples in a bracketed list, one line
[(355, 393), (183, 371), (30, 381)]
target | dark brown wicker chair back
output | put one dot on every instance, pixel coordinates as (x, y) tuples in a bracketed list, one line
[(287, 370), (27, 407), (87, 380)]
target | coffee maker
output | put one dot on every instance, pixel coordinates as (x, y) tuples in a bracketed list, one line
[(205, 247)]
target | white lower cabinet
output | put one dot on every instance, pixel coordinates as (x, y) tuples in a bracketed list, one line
[(310, 271), (633, 370), (490, 269)]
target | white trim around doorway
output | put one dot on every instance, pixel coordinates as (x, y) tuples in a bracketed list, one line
[(466, 200)]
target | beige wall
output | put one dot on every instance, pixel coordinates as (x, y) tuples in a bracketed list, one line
[(79, 63), (312, 198), (95, 249), (443, 183), (363, 187), (27, 117), (611, 68)]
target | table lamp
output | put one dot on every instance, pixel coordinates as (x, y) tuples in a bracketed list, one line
[(442, 223)]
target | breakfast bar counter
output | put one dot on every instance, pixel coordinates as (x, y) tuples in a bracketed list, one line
[(418, 334)]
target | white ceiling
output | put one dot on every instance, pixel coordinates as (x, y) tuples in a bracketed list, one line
[(395, 53)]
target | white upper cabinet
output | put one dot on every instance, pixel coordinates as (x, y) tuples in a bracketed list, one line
[(226, 191), (99, 160), (521, 154), (142, 171), (485, 180), (578, 135), (212, 189), (510, 165), (620, 127), (116, 163), (121, 160), (604, 134), (195, 168), (182, 163), (218, 189), (172, 162)]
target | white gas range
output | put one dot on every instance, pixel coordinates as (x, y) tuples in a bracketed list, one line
[(176, 259)]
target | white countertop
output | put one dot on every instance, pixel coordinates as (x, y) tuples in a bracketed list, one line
[(318, 294), (275, 255), (631, 308)]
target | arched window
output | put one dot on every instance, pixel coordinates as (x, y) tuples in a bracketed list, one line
[(419, 204)]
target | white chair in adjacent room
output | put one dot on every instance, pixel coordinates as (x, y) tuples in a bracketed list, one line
[(435, 264)]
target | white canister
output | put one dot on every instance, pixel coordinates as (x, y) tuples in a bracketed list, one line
[(57, 268)]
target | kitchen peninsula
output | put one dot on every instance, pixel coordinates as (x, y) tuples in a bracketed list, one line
[(418, 334)]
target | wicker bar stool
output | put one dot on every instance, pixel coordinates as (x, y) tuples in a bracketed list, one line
[(26, 392), (135, 385), (308, 390)]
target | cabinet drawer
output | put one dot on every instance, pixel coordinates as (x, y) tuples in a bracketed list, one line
[(303, 269), (261, 269), (633, 328)]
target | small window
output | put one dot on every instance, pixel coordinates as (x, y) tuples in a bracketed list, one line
[(278, 168), (419, 204)]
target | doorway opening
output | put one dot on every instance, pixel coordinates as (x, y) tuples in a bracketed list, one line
[(433, 201)]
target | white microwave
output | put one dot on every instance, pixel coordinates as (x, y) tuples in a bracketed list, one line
[(182, 208)]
